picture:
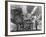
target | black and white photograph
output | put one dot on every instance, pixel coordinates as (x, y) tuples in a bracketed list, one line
[(25, 18)]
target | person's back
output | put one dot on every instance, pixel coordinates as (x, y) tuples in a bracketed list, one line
[(17, 18)]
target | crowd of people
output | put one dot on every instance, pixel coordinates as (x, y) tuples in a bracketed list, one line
[(23, 22)]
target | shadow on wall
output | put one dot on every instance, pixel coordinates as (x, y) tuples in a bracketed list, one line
[(9, 36)]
